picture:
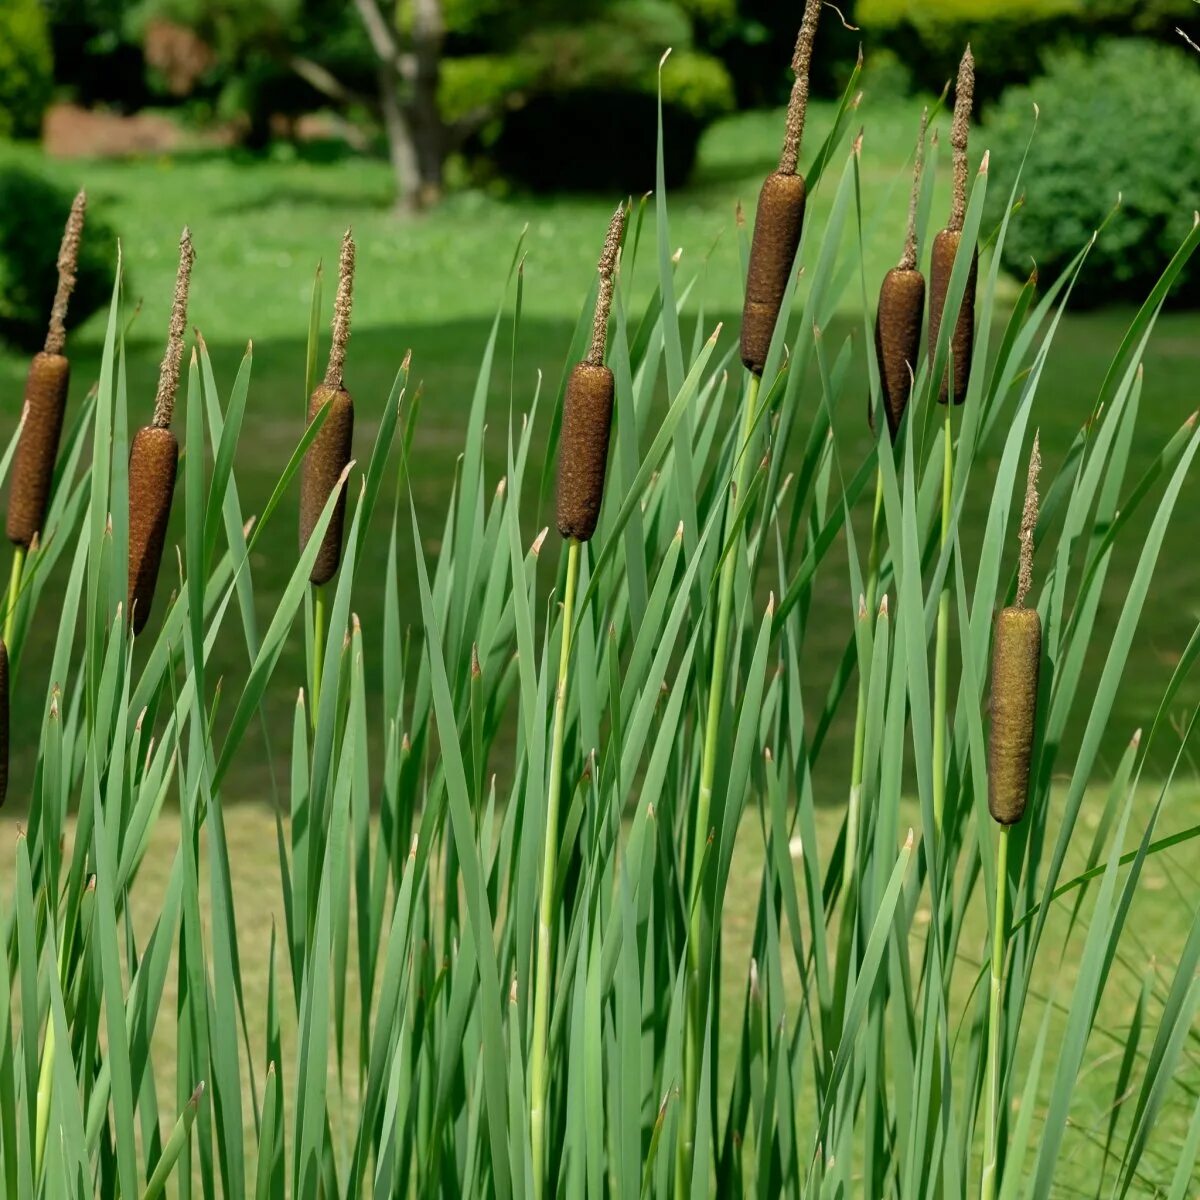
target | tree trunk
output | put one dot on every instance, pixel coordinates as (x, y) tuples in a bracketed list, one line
[(402, 144), (408, 87), (426, 118)]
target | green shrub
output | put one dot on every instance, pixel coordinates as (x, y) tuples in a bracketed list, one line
[(26, 68), (1012, 39), (32, 213), (1118, 121)]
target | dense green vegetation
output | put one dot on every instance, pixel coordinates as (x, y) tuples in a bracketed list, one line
[(764, 945)]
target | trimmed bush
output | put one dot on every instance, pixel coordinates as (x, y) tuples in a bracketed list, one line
[(32, 213), (1118, 121), (26, 69)]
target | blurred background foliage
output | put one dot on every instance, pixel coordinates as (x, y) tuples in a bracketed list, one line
[(549, 97)]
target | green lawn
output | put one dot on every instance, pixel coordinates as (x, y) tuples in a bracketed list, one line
[(434, 284)]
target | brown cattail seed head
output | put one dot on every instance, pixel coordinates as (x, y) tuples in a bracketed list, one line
[(962, 340), (323, 465), (777, 226), (583, 449), (37, 449), (1016, 657), (68, 260), (898, 339), (153, 460)]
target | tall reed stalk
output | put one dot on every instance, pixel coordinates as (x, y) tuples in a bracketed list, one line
[(582, 465), (1016, 658)]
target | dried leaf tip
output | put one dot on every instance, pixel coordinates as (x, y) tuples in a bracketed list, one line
[(168, 374), (908, 261), (1029, 517), (68, 261), (798, 102), (607, 268), (341, 313), (964, 98)]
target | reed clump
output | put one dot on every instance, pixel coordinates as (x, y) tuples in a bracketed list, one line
[(330, 451), (901, 307), (154, 458), (779, 219), (587, 411), (1016, 659), (45, 399), (946, 245)]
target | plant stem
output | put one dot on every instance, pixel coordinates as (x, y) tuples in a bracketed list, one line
[(708, 770), (318, 647), (14, 590), (941, 653), (991, 1149), (541, 994)]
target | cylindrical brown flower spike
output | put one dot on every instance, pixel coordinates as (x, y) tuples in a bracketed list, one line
[(780, 216), (45, 400), (901, 305), (154, 459), (587, 411), (3, 722), (1016, 658), (330, 451), (946, 245)]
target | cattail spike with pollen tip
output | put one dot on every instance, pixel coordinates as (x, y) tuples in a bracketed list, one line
[(330, 451), (1016, 660), (154, 458), (587, 411), (68, 264), (946, 246), (168, 374), (901, 306), (780, 216), (45, 399)]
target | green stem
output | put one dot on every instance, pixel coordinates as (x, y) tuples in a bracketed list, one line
[(541, 994), (941, 653), (991, 1148), (708, 770), (318, 647), (14, 591)]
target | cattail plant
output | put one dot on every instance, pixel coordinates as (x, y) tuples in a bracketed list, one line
[(778, 223), (582, 455), (45, 405), (154, 458), (330, 450), (901, 307), (328, 458), (1016, 657), (780, 215), (946, 245)]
